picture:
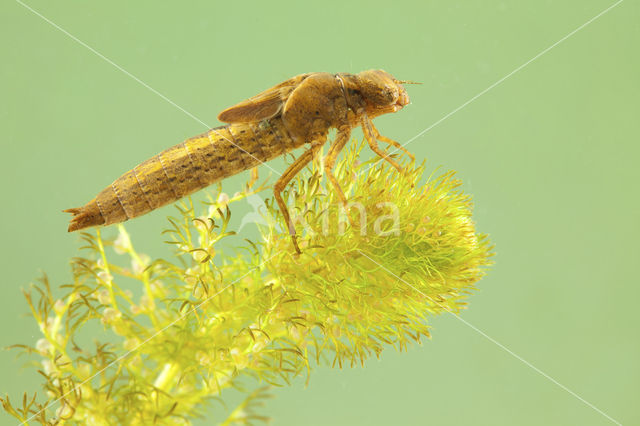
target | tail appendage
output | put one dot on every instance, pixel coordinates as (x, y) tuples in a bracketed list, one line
[(84, 217)]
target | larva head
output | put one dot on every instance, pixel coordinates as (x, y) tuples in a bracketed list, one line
[(381, 92)]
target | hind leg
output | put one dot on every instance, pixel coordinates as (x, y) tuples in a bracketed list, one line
[(330, 160), (253, 179), (284, 180)]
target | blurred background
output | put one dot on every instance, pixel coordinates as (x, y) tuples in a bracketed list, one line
[(549, 154)]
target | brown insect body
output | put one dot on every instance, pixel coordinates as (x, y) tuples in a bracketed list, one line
[(183, 169), (300, 110)]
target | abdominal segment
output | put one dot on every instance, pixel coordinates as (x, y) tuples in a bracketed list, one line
[(183, 169)]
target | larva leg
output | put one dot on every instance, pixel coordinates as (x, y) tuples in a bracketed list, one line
[(254, 178), (282, 183), (317, 159), (390, 141), (330, 160), (369, 134)]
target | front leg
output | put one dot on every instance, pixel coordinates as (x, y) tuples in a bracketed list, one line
[(369, 134), (378, 136)]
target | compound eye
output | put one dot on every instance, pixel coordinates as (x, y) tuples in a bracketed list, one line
[(389, 94)]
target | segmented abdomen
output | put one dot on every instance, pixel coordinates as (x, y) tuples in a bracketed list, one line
[(184, 169)]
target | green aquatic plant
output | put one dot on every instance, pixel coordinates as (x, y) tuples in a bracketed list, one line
[(185, 330)]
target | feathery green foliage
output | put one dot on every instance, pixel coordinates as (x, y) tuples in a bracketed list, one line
[(208, 320)]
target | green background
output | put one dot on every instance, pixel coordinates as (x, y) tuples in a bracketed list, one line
[(550, 155)]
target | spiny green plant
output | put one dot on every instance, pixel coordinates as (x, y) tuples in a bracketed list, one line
[(210, 320)]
